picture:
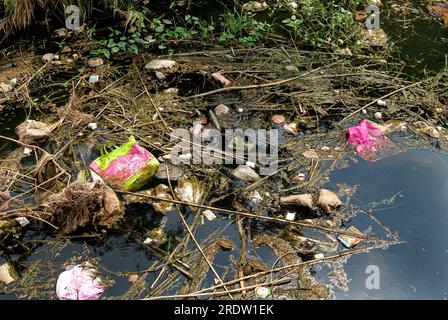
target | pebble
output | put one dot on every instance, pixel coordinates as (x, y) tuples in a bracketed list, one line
[(291, 128), (95, 62), (49, 56), (221, 109), (160, 75), (278, 119), (159, 64), (298, 177), (246, 173), (174, 171), (381, 103), (92, 126)]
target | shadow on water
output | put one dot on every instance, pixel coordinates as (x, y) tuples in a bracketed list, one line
[(420, 41), (417, 269)]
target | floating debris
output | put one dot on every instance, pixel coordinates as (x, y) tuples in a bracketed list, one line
[(209, 214), (94, 79), (262, 292), (128, 167), (349, 241), (381, 103), (221, 109), (290, 216), (8, 273), (95, 62), (328, 200), (300, 200), (159, 64), (34, 132), (190, 189), (92, 126), (79, 283), (226, 244)]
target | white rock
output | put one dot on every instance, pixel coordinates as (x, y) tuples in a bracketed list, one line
[(22, 221), (293, 5), (209, 215), (94, 79), (27, 152), (95, 62), (92, 126), (49, 56), (290, 216), (262, 292), (240, 110), (256, 197), (246, 173), (319, 256), (7, 273), (159, 64), (221, 109), (160, 75), (378, 115), (381, 103)]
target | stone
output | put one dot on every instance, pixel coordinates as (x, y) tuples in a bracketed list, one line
[(159, 64), (221, 109)]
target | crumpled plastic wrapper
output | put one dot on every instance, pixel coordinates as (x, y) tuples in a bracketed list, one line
[(129, 167)]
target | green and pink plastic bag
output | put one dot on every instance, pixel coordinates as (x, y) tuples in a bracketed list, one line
[(128, 167)]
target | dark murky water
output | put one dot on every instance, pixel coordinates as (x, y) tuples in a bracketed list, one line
[(417, 269)]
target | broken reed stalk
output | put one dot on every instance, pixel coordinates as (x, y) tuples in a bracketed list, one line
[(193, 237), (297, 265), (221, 293), (257, 86), (251, 215), (380, 98)]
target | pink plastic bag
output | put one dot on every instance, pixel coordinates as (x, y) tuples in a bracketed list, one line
[(78, 283), (368, 140)]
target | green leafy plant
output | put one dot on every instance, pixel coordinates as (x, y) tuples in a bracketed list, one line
[(243, 28), (121, 41)]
